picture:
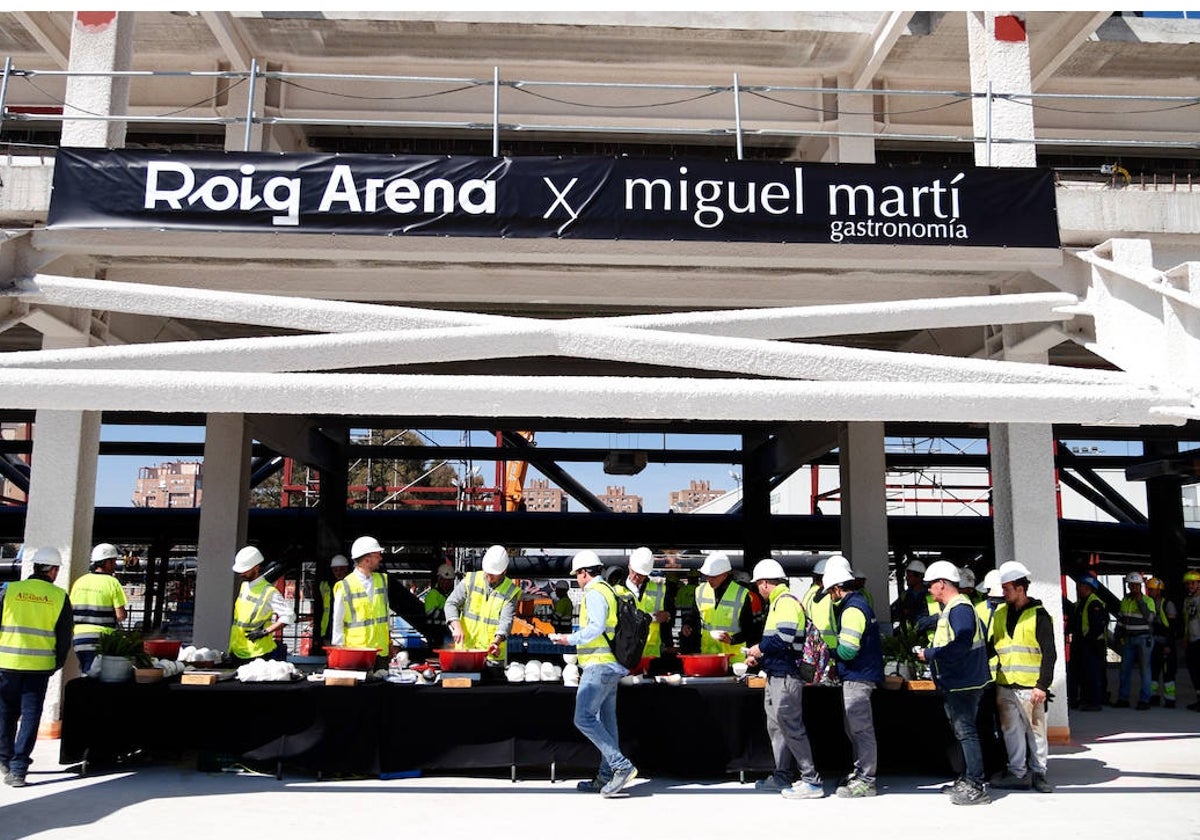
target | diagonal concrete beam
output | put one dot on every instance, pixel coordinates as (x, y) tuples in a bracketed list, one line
[(47, 29), (1050, 48), (874, 51), (232, 37)]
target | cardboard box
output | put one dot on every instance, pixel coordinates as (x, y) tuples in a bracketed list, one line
[(456, 682), (199, 678)]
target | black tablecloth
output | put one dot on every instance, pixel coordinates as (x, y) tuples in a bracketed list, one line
[(688, 731)]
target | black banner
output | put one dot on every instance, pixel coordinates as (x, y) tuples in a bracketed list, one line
[(580, 198)]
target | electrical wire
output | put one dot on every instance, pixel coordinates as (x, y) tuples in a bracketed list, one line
[(835, 113), (79, 110), (341, 95), (554, 99)]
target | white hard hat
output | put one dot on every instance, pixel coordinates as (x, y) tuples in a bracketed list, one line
[(586, 559), (641, 561), (338, 561), (941, 570), (916, 567), (364, 546), (715, 564), (1132, 577), (1011, 570), (445, 572), (104, 551), (966, 578), (495, 560), (768, 570), (47, 555), (247, 559), (819, 569), (837, 571), (991, 582)]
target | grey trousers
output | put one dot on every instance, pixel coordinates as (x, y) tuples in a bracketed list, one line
[(860, 727), (784, 706), (1023, 726)]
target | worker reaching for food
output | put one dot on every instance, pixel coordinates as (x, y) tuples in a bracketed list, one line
[(259, 611), (360, 602), (480, 610), (651, 595)]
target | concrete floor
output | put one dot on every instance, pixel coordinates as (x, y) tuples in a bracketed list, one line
[(1123, 771)]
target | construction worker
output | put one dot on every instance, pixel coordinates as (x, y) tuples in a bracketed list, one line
[(259, 611), (435, 598), (360, 603), (1191, 630), (339, 567), (727, 619), (958, 662), (564, 607), (35, 639), (818, 605), (98, 601), (985, 608), (1162, 655), (1135, 622), (596, 699), (783, 700), (917, 609), (651, 595), (1088, 646), (966, 579), (859, 652), (1022, 637), (480, 610)]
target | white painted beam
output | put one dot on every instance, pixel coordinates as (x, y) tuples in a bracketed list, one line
[(1050, 48), (650, 398), (231, 36), (47, 30), (876, 48)]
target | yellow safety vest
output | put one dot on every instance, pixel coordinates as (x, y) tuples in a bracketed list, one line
[(1086, 622), (325, 589), (985, 612), (1019, 654), (653, 599), (721, 616), (366, 622), (820, 613), (31, 611), (252, 611), (481, 616), (597, 651), (943, 635), (94, 601)]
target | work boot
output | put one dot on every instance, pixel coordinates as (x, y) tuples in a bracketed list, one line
[(771, 785), (619, 780), (970, 794), (1007, 781), (856, 788), (953, 786), (591, 785), (1041, 785), (14, 779)]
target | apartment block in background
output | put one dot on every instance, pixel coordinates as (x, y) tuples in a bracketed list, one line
[(698, 493), (540, 496), (619, 501), (174, 484)]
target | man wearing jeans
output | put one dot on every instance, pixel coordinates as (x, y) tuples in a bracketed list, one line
[(779, 653), (596, 699), (1134, 621), (1022, 637), (958, 660)]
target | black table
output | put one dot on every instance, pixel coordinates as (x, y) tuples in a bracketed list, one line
[(688, 731)]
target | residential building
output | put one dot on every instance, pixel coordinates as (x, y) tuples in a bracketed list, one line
[(698, 493), (541, 496), (619, 501), (174, 484)]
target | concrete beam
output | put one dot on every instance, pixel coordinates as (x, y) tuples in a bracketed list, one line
[(48, 30), (1051, 47), (876, 47), (232, 37)]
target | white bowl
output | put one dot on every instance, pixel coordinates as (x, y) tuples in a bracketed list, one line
[(739, 669), (570, 658)]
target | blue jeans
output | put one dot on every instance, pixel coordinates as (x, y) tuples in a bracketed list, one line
[(596, 715), (21, 697), (962, 709), (1136, 650), (86, 658)]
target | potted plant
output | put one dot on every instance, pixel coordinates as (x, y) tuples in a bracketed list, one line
[(898, 651), (119, 652)]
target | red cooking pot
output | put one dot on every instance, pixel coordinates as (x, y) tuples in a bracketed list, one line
[(642, 666), (461, 660), (161, 648), (705, 664), (351, 658)]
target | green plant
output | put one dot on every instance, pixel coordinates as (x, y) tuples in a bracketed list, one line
[(123, 643), (898, 648)]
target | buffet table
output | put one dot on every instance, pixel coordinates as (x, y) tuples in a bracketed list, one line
[(704, 730)]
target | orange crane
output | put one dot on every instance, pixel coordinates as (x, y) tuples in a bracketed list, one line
[(514, 479)]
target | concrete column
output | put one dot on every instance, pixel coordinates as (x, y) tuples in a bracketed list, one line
[(101, 42), (756, 501), (1025, 518), (863, 473), (999, 54), (235, 134), (222, 525), (855, 113)]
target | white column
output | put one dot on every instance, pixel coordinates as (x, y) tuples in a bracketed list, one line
[(863, 473), (222, 526), (101, 42), (1000, 55), (856, 113)]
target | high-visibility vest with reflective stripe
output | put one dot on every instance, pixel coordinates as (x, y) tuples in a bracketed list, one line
[(1130, 616), (785, 617), (481, 614), (943, 634), (94, 601), (820, 612), (985, 612), (652, 600), (1085, 623), (252, 611), (435, 605), (721, 616), (325, 589), (597, 650), (365, 621), (31, 611), (1020, 658)]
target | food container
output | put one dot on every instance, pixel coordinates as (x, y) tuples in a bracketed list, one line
[(162, 648), (351, 658), (461, 660), (147, 675), (705, 664), (642, 666)]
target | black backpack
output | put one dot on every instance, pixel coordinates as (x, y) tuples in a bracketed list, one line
[(628, 640)]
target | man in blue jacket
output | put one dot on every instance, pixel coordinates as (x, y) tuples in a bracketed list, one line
[(958, 660)]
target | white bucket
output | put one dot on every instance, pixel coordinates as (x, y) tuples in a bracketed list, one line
[(116, 669)]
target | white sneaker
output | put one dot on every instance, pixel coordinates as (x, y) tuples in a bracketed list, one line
[(804, 790), (618, 782)]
